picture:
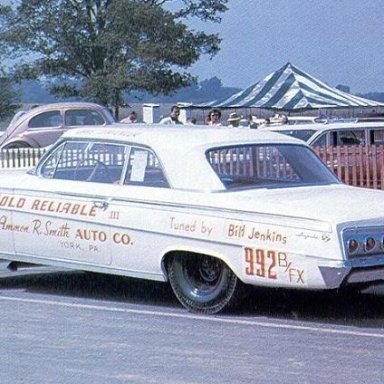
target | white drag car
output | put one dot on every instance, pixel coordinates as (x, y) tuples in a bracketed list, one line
[(203, 208)]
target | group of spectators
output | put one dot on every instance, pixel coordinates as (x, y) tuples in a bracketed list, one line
[(213, 118)]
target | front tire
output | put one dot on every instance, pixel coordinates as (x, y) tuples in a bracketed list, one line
[(17, 145), (201, 283)]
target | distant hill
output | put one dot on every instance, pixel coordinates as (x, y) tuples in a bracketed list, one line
[(33, 91), (206, 90), (377, 96)]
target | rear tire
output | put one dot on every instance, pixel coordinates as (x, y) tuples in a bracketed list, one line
[(201, 283)]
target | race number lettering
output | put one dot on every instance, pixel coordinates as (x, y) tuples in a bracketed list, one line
[(261, 262), (273, 265)]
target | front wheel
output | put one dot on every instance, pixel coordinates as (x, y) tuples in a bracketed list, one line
[(17, 145), (201, 283)]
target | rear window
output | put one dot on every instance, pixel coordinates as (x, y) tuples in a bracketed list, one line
[(268, 166), (78, 117)]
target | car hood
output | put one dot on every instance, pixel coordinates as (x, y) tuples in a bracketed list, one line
[(331, 203)]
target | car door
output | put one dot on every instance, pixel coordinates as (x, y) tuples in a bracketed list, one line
[(67, 208), (8, 202), (137, 218)]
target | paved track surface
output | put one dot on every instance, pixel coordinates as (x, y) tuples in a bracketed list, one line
[(72, 327)]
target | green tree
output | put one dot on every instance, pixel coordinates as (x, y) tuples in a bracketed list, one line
[(8, 95), (8, 98), (101, 49)]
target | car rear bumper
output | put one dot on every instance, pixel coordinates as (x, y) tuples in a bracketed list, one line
[(336, 277)]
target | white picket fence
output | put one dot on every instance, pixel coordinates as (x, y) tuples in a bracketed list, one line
[(20, 157)]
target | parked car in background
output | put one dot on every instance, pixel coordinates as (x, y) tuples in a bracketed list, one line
[(335, 133), (43, 125), (199, 207), (351, 149), (279, 120)]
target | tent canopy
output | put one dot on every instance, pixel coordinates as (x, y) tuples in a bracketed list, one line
[(291, 89)]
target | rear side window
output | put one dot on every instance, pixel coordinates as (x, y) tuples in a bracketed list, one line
[(378, 136), (46, 120), (352, 137), (144, 169)]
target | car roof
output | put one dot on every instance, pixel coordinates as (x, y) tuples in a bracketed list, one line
[(181, 136), (181, 149), (54, 106), (318, 129), (326, 126), (65, 105), (18, 126)]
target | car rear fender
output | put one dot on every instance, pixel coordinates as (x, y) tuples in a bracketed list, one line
[(169, 253)]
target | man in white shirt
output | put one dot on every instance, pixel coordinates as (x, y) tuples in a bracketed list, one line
[(173, 118)]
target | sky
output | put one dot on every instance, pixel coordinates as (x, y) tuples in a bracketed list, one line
[(337, 41)]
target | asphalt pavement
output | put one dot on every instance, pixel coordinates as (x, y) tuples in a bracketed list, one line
[(74, 327)]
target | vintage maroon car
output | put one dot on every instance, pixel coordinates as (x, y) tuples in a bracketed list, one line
[(43, 125)]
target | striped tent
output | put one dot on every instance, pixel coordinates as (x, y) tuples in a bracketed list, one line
[(291, 89)]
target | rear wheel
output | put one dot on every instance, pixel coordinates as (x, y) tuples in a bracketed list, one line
[(201, 283)]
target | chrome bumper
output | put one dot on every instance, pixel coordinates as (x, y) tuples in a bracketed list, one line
[(335, 277)]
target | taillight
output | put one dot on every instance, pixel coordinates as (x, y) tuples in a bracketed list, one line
[(353, 246), (370, 243)]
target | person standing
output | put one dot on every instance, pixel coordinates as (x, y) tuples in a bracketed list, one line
[(173, 117), (132, 118), (251, 124), (214, 117), (234, 119), (266, 123)]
